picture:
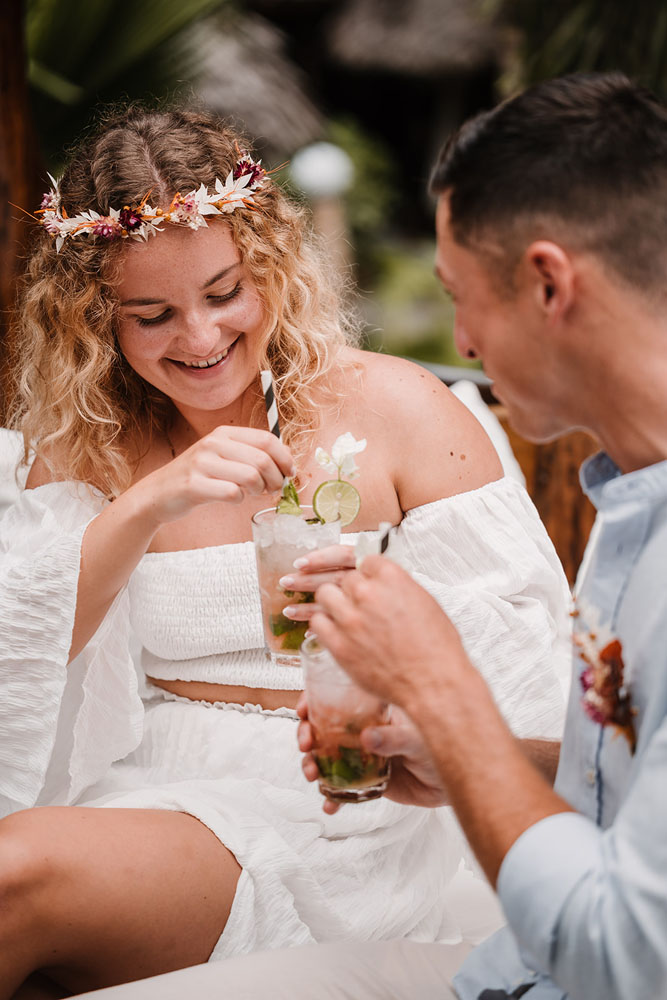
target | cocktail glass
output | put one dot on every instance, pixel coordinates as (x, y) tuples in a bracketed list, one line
[(279, 540), (338, 710)]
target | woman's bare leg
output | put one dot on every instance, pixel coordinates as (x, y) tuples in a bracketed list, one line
[(96, 897)]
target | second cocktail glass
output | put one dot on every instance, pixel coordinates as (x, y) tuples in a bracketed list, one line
[(338, 711)]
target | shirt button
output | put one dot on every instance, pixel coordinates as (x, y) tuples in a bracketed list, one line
[(590, 776)]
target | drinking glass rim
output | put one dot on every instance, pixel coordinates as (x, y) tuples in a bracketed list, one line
[(304, 507), (272, 510), (312, 641), (313, 650)]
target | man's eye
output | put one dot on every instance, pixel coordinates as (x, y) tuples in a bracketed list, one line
[(153, 320), (229, 295)]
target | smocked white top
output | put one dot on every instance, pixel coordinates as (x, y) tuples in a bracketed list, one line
[(484, 555)]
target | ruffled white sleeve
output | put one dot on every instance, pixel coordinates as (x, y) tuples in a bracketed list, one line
[(487, 559), (60, 727)]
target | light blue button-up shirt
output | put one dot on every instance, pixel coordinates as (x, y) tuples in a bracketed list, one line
[(585, 894)]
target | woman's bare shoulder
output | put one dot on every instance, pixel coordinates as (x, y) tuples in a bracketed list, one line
[(439, 447)]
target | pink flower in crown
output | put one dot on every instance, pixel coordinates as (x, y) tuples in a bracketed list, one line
[(185, 209), (49, 201), (107, 227), (51, 224), (246, 165)]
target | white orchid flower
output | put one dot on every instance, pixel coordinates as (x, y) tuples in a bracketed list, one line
[(341, 462)]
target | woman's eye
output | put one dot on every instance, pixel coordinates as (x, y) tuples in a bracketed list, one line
[(228, 295), (153, 320)]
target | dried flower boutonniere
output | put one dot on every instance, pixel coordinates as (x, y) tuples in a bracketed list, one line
[(606, 698)]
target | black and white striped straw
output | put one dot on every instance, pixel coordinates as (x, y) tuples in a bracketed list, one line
[(270, 401)]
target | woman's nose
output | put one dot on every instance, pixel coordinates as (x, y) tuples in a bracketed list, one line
[(201, 335)]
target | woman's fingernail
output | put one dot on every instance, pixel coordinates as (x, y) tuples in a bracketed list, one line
[(300, 562), (293, 472), (286, 582), (290, 610)]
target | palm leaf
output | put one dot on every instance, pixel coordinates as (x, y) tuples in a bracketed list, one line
[(86, 52)]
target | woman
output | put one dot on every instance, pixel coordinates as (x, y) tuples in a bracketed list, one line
[(138, 365)]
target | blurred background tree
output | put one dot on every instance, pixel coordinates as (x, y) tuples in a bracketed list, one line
[(568, 36), (81, 53), (385, 80)]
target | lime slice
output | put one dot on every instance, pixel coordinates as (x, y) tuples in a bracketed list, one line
[(336, 499)]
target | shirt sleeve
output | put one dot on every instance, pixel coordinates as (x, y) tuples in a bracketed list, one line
[(78, 718), (593, 916), (486, 558)]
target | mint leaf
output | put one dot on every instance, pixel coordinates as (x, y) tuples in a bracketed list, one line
[(289, 500)]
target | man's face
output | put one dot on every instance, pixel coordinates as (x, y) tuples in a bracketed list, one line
[(505, 332)]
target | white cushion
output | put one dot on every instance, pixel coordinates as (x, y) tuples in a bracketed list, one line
[(470, 396)]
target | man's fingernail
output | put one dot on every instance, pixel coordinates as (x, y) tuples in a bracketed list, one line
[(287, 582), (373, 739), (300, 562)]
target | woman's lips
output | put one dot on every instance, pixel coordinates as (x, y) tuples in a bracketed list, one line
[(200, 373)]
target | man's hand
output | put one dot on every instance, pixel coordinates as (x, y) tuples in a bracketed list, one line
[(389, 634), (414, 779)]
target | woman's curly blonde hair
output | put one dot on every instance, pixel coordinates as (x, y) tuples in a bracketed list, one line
[(78, 403)]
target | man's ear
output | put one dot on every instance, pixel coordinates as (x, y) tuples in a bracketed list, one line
[(548, 269)]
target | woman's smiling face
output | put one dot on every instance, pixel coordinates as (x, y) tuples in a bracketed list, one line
[(191, 319)]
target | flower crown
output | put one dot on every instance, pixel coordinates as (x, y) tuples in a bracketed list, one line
[(141, 221)]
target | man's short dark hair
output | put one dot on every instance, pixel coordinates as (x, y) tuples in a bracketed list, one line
[(582, 159)]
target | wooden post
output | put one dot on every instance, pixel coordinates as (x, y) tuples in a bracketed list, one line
[(552, 480), (20, 167)]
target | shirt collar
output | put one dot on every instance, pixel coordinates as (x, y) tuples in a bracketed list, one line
[(606, 486)]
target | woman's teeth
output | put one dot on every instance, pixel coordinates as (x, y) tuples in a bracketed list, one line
[(208, 363)]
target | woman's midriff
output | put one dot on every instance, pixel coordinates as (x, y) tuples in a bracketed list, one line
[(270, 698)]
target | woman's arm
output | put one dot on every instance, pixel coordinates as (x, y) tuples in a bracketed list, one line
[(223, 466)]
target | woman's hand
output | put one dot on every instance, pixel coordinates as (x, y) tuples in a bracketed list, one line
[(329, 565), (224, 466), (414, 779)]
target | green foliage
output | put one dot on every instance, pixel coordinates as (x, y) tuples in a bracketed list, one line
[(372, 195), (83, 52), (408, 312), (566, 36)]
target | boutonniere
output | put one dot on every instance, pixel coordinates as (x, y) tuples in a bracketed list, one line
[(606, 696)]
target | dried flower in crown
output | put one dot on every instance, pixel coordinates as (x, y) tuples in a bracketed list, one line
[(141, 221)]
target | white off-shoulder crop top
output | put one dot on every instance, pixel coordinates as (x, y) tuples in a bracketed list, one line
[(197, 615), (484, 555)]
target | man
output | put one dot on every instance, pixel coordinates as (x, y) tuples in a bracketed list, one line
[(552, 239)]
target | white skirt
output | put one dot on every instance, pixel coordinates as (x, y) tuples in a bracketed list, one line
[(373, 871)]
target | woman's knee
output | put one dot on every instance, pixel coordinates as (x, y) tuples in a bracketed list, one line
[(27, 868)]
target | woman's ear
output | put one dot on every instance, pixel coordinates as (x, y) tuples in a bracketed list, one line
[(548, 269)]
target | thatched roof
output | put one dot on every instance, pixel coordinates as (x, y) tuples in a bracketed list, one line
[(244, 72), (415, 37)]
